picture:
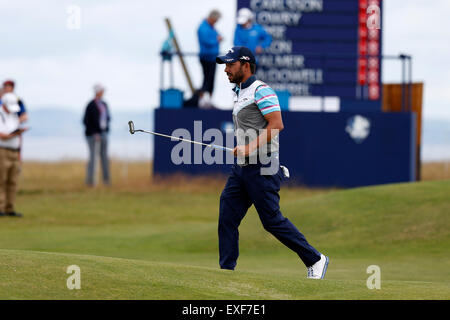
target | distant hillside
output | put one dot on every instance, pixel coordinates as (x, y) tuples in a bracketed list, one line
[(436, 140), (58, 134), (63, 122)]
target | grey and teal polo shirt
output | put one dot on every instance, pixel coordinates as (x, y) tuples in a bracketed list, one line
[(253, 100)]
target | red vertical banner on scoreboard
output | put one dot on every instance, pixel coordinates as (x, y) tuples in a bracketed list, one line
[(369, 47), (362, 43)]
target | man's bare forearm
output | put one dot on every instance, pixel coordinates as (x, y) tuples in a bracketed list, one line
[(266, 136), (23, 118)]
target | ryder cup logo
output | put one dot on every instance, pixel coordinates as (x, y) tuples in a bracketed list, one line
[(358, 127)]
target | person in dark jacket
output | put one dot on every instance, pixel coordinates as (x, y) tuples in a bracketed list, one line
[(96, 121), (209, 40)]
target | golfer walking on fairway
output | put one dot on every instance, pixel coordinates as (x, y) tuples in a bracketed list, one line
[(256, 108)]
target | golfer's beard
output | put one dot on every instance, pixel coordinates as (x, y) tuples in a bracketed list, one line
[(237, 78)]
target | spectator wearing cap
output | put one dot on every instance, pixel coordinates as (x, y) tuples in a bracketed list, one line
[(10, 142), (250, 34), (209, 40), (8, 87), (96, 121)]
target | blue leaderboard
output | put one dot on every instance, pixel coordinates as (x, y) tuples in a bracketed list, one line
[(321, 149), (321, 47)]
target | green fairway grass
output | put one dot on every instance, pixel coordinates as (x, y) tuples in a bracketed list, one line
[(160, 242)]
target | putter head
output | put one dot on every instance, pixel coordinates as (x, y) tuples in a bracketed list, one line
[(131, 126)]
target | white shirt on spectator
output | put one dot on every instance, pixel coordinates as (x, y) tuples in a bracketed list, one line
[(9, 120)]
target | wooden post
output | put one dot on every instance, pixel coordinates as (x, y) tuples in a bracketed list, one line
[(394, 96), (177, 48)]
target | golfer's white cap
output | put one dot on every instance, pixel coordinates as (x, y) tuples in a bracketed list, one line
[(11, 102), (244, 15), (98, 87)]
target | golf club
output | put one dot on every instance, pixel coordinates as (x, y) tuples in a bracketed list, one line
[(132, 131)]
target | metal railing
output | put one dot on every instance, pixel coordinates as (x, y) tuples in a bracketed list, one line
[(405, 60)]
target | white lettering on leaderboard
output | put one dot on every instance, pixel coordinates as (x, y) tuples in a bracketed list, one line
[(288, 5), (277, 16)]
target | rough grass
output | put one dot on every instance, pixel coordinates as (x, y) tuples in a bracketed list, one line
[(436, 170)]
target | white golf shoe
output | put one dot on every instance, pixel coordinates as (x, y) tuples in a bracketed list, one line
[(318, 269)]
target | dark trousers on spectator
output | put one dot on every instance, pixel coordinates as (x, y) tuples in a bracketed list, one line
[(209, 72)]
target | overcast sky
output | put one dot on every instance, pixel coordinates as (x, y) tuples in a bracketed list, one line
[(119, 41)]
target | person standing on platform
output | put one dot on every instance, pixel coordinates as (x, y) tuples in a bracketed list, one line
[(250, 34), (209, 40)]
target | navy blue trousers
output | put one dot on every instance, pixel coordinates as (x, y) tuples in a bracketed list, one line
[(246, 186), (209, 73)]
